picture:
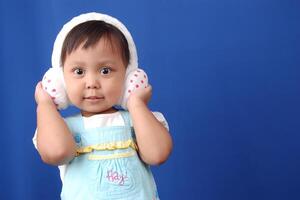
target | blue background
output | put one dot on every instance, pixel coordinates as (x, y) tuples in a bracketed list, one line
[(224, 73)]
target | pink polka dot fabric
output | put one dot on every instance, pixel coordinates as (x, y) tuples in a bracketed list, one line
[(136, 79), (53, 84)]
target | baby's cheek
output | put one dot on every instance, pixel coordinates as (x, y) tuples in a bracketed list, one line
[(72, 95), (115, 93)]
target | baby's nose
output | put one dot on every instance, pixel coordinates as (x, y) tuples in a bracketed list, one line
[(93, 83), (93, 86)]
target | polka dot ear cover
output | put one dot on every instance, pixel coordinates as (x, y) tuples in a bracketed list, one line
[(53, 84), (136, 79)]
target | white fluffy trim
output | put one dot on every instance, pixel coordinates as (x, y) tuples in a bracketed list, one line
[(56, 61)]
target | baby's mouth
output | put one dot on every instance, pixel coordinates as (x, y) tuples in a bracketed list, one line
[(93, 98)]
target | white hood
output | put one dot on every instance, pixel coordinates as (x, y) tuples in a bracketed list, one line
[(56, 54)]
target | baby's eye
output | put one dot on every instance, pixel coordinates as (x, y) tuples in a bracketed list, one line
[(78, 71), (105, 70)]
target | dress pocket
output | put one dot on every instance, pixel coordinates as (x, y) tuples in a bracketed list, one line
[(120, 179)]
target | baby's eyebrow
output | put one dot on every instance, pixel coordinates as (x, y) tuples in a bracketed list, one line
[(77, 62), (98, 63), (106, 62)]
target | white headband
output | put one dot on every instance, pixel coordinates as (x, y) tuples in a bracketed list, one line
[(57, 48)]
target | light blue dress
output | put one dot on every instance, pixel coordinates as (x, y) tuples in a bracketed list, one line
[(107, 166)]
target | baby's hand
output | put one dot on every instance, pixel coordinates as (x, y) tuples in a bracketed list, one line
[(139, 97), (41, 96)]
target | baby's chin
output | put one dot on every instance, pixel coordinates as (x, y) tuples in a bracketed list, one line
[(91, 112)]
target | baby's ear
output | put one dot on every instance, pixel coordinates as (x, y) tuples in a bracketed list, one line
[(53, 83), (135, 80)]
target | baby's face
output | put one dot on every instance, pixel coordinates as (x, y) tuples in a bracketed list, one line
[(94, 77)]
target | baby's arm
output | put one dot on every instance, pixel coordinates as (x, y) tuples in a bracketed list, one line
[(55, 143), (153, 139)]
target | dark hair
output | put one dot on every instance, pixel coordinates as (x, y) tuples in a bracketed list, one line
[(90, 33)]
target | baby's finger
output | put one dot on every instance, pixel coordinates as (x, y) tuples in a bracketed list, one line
[(38, 85), (149, 87)]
